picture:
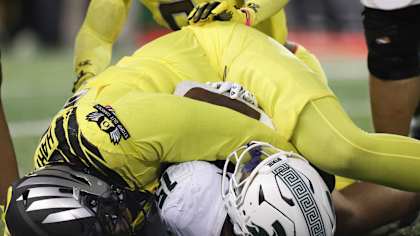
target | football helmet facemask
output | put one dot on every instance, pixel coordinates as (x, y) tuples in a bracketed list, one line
[(58, 200), (276, 193)]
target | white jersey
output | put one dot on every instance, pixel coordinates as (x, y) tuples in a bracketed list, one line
[(190, 199), (389, 4)]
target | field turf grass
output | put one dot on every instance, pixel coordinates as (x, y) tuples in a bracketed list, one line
[(35, 87)]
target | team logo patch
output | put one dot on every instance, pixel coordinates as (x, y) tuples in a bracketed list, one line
[(108, 122)]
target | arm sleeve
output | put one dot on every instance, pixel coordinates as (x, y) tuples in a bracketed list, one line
[(264, 9), (100, 29), (194, 130)]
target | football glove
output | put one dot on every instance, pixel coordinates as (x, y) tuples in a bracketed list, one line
[(84, 72), (222, 11)]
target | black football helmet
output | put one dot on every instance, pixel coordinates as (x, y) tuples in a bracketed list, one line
[(58, 200)]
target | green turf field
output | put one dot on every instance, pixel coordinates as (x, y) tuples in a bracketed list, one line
[(35, 87)]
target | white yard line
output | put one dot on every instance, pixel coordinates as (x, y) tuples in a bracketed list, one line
[(30, 128)]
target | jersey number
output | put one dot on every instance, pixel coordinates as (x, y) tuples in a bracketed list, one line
[(162, 195), (167, 10)]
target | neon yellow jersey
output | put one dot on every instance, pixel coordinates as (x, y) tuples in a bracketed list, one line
[(157, 127), (125, 134)]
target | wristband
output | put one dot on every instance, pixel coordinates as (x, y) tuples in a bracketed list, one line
[(247, 16)]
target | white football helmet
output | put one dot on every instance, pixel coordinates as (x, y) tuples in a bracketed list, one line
[(276, 193)]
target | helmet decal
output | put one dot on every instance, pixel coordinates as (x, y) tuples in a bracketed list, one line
[(41, 192), (67, 215), (276, 225), (256, 230), (282, 195), (278, 229), (305, 201), (53, 203)]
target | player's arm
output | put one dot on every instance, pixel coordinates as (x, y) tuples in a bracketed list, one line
[(218, 130), (362, 207), (252, 13), (8, 166), (100, 29), (193, 130)]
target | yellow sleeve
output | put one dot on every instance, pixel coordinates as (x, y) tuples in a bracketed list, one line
[(264, 9), (202, 131), (101, 27)]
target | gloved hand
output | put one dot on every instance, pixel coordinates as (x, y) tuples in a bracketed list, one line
[(222, 11), (84, 71)]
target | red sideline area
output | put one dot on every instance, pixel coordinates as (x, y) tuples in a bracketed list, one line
[(322, 44), (332, 44)]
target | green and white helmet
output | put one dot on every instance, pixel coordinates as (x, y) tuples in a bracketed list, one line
[(273, 192)]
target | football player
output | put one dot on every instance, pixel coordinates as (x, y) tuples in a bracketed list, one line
[(106, 18), (389, 71), (122, 124), (275, 193), (394, 80)]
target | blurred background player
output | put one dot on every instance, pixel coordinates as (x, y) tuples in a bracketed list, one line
[(21, 18), (257, 198), (393, 61), (394, 64), (105, 20), (8, 168)]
